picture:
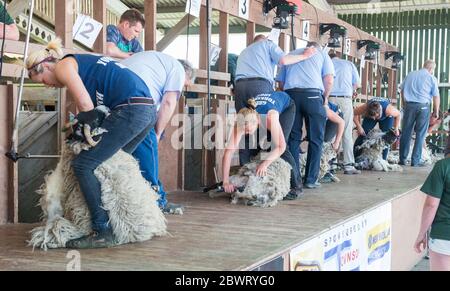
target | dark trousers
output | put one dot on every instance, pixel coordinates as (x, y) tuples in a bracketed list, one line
[(126, 127), (309, 106), (287, 119), (244, 90), (369, 124), (416, 117)]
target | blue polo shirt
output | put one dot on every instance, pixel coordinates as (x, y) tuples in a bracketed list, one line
[(160, 72), (108, 83), (420, 87), (113, 35), (307, 74), (277, 101), (259, 61), (345, 78)]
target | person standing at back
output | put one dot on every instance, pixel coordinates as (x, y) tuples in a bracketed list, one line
[(346, 81), (418, 90), (255, 73), (309, 84), (122, 39)]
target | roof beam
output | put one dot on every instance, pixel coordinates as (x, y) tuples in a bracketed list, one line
[(172, 34)]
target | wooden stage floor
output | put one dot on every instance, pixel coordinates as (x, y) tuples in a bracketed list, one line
[(215, 235)]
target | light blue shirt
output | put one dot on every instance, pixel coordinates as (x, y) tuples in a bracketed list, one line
[(346, 77), (307, 74), (160, 72), (259, 61), (420, 86)]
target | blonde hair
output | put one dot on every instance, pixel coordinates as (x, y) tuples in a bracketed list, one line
[(248, 114), (52, 53)]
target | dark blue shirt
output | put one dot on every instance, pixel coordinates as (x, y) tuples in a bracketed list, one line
[(384, 105), (277, 101), (108, 83), (113, 35)]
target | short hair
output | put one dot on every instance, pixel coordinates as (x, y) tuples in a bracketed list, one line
[(188, 69), (429, 65), (373, 108), (133, 16), (259, 37), (313, 44), (332, 55)]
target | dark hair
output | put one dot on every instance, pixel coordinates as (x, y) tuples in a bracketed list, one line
[(313, 44), (133, 16), (332, 55), (373, 108)]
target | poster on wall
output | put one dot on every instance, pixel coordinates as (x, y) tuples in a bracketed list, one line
[(362, 243)]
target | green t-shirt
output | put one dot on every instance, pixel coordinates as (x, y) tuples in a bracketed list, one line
[(438, 185), (8, 20)]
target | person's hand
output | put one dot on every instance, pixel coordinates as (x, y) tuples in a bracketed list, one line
[(396, 131), (309, 52), (421, 243), (261, 170), (228, 187), (355, 94), (336, 146), (361, 131)]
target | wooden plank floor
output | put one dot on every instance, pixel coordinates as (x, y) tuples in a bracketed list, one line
[(214, 235)]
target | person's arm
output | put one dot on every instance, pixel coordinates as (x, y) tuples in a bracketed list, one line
[(278, 141), (231, 148), (335, 118), (436, 106), (113, 51), (293, 59), (67, 74), (392, 111), (358, 112), (168, 105), (328, 82), (429, 212), (11, 31)]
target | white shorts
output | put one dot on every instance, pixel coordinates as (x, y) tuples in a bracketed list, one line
[(439, 246)]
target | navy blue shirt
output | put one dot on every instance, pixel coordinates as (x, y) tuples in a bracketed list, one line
[(108, 82), (277, 101), (384, 105)]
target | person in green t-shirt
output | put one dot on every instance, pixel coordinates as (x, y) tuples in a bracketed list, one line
[(7, 25), (436, 213)]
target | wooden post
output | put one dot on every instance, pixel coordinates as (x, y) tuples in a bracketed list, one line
[(370, 80), (364, 80), (64, 21), (282, 41), (150, 24), (223, 43), (174, 32), (203, 39), (251, 30), (99, 9)]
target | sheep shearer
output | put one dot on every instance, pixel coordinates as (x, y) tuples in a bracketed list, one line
[(93, 81), (309, 84), (255, 74), (165, 77)]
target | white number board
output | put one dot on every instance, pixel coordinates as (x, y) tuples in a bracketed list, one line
[(306, 28), (244, 8), (193, 7), (348, 46), (86, 30)]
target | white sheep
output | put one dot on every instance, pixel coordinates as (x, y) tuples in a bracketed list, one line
[(328, 155), (262, 191), (129, 199)]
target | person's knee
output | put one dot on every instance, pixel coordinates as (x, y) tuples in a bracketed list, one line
[(81, 166)]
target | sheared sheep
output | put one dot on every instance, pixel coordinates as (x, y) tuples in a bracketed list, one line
[(129, 199), (369, 155), (262, 191), (326, 160)]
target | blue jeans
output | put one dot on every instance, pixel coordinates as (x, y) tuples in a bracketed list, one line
[(127, 126), (309, 105), (147, 155), (416, 116), (369, 124)]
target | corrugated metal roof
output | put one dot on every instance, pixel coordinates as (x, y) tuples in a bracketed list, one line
[(378, 6)]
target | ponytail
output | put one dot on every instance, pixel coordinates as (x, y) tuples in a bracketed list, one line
[(52, 53)]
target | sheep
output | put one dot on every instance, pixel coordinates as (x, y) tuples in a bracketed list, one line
[(261, 191), (129, 199), (371, 152), (328, 156)]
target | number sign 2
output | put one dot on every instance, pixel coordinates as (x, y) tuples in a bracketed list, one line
[(86, 30)]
